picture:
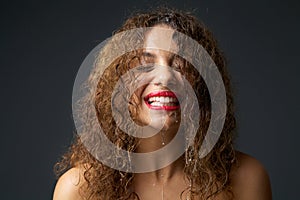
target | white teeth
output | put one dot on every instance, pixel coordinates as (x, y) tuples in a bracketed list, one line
[(161, 100), (156, 104), (151, 99)]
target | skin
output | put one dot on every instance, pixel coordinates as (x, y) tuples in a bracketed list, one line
[(249, 178), (249, 181), (158, 79)]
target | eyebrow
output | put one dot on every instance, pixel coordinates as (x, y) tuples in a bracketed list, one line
[(153, 56), (148, 54)]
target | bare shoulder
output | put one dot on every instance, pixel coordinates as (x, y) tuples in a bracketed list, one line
[(250, 180), (67, 186)]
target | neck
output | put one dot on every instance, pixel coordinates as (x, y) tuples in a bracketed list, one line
[(158, 141), (164, 175)]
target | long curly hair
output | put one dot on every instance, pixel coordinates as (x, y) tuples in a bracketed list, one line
[(208, 176)]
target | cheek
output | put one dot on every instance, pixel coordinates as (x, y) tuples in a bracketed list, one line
[(137, 96), (138, 110), (133, 106)]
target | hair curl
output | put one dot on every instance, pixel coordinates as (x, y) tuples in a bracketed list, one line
[(208, 176)]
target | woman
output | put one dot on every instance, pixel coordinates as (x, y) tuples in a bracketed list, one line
[(158, 103)]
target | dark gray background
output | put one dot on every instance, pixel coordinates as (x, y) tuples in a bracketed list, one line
[(43, 43)]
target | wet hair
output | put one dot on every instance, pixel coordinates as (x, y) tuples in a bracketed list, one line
[(208, 176)]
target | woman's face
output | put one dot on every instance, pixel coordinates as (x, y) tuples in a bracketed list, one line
[(156, 100)]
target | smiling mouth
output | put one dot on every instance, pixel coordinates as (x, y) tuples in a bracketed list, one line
[(162, 100)]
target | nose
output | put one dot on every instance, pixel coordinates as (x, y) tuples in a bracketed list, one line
[(164, 75)]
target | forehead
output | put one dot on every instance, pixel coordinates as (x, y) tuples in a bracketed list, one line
[(160, 37)]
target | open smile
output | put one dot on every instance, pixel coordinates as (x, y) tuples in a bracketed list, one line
[(162, 100)]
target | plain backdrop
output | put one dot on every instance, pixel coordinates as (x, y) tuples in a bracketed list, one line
[(42, 46)]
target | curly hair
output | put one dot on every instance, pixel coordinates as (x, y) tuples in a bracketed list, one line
[(208, 176)]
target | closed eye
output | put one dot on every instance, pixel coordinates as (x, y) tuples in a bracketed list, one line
[(177, 63), (146, 68), (147, 57), (176, 67)]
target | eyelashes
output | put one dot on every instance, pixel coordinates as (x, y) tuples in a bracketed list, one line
[(146, 68), (177, 67), (148, 61), (151, 67)]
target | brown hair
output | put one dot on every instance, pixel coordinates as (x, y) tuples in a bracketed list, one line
[(208, 176)]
